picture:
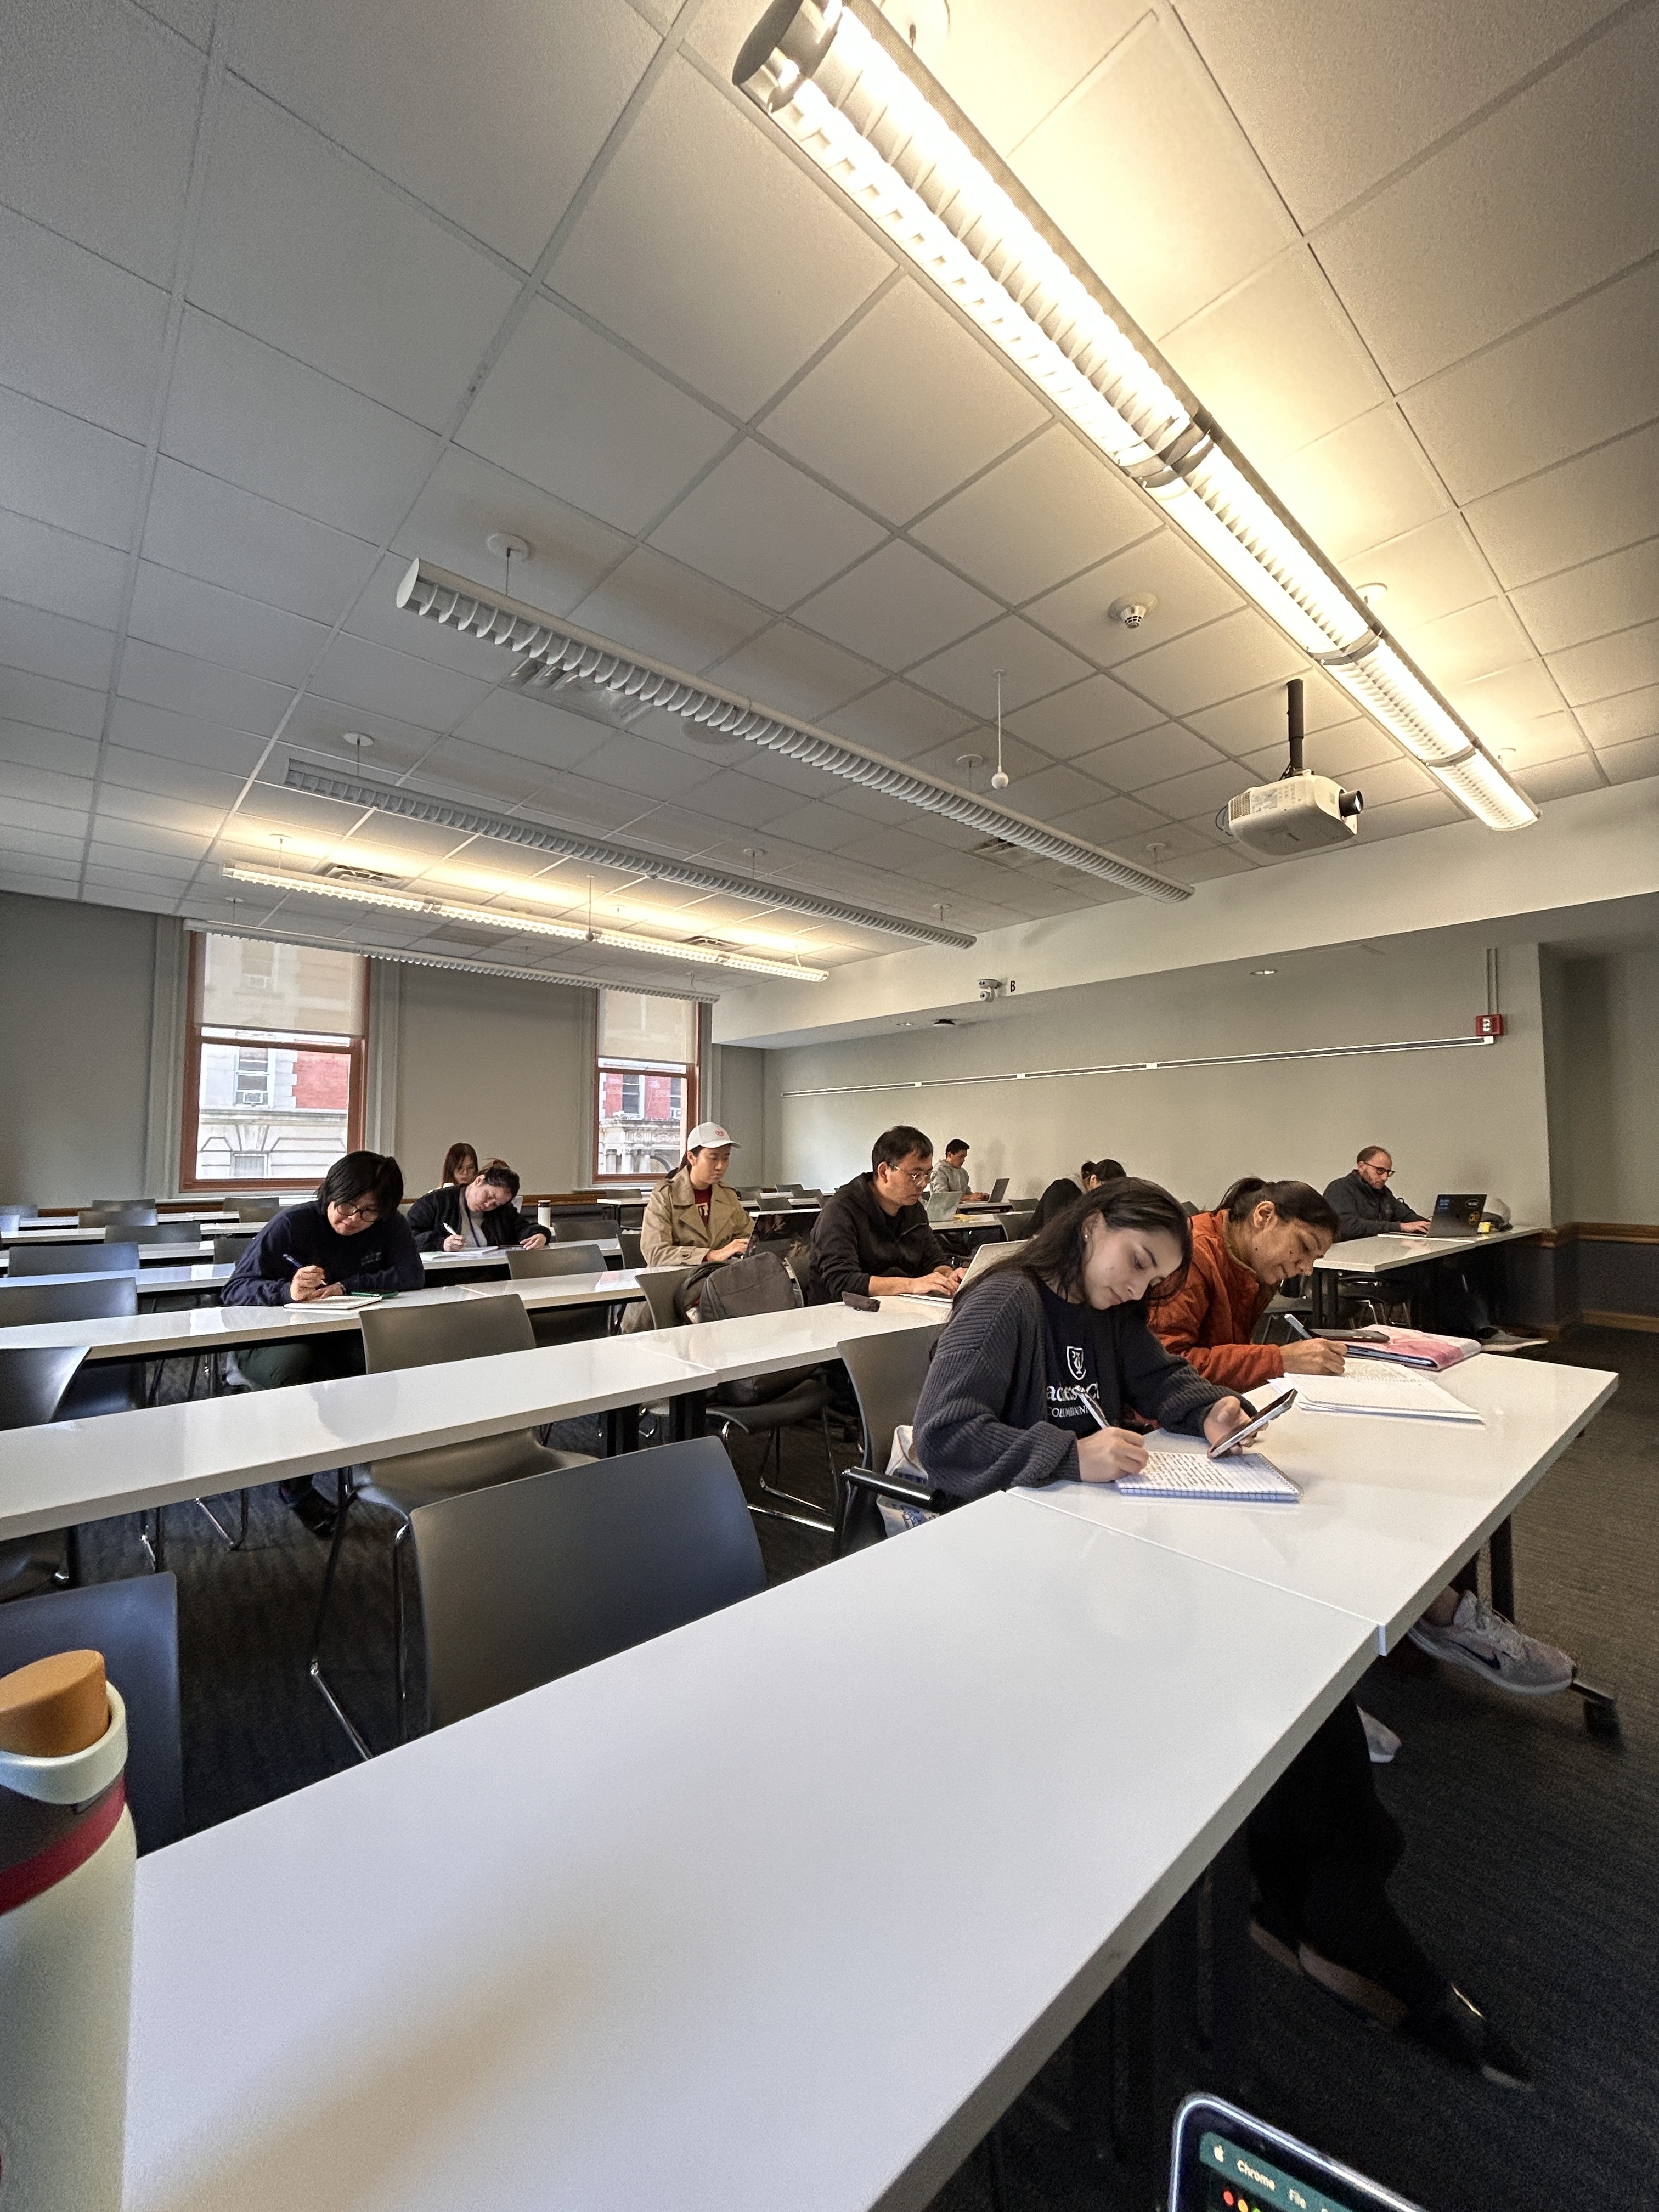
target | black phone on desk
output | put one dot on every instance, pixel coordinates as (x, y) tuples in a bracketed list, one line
[(1253, 1428)]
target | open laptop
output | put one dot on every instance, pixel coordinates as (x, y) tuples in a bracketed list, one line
[(998, 1189), (1224, 2161), (941, 1205), (991, 1255), (1457, 1213)]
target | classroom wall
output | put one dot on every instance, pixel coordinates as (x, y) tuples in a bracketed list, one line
[(76, 987), (1473, 1118), (1603, 1069), (739, 1103), (506, 1066)]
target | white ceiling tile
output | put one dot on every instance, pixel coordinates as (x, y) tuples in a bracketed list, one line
[(303, 248), (647, 772), (734, 308), (1239, 653), (1591, 504), (1096, 712), (1560, 779), (1574, 150), (1335, 99), (1359, 486), (42, 566), (185, 738), (967, 762), (78, 332), (1629, 763), (98, 108), (202, 526), (1386, 781), (1201, 793), (1166, 567), (22, 783), (237, 632), (202, 787), (658, 606), (794, 671), (1497, 707), (274, 426), (904, 408), (1615, 593), (898, 721), (48, 704), (317, 727), (1169, 840), (1261, 718), (31, 817), (743, 802), (156, 677), (40, 873), (1432, 810), (588, 422), (29, 747), (897, 607), (1048, 510), (1152, 757), (366, 676), (818, 824), (1032, 665), (1205, 867), (492, 116), (1610, 666), (761, 526), (1432, 571), (468, 499), (1625, 716), (62, 470), (1583, 375), (1277, 359), (1147, 174), (1475, 641), (1050, 792), (1108, 820), (54, 645), (1344, 754)]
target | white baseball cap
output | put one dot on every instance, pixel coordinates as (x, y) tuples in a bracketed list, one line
[(708, 1136)]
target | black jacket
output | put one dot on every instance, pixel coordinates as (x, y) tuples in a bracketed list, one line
[(1061, 1194), (383, 1258), (981, 1421), (438, 1215), (1364, 1212), (853, 1239)]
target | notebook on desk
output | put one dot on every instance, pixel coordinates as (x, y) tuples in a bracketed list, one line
[(1178, 1467), (1372, 1387)]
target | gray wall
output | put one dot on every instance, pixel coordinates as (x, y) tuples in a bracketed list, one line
[(737, 1102), (1603, 1068), (76, 985), (506, 1066), (1468, 1119)]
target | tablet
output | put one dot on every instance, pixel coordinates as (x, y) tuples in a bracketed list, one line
[(1224, 2161)]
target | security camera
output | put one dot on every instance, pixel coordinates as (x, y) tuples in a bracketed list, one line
[(990, 986)]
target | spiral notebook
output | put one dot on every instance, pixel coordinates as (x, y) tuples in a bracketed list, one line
[(1174, 1469)]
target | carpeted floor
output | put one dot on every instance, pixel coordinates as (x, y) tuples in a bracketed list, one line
[(1531, 1871)]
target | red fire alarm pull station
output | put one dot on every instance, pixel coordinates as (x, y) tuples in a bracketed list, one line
[(1489, 1026)]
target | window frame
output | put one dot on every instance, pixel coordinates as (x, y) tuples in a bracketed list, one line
[(354, 1050), (691, 1074)]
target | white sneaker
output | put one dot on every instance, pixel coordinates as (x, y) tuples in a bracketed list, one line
[(1381, 1742), (1479, 1638)]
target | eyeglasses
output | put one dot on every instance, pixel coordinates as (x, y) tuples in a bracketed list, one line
[(1372, 1168), (915, 1177), (364, 1213)]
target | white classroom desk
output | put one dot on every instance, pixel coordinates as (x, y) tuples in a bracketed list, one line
[(765, 1344), (1383, 1255), (487, 1258), (207, 1329), (1390, 1509), (71, 1231), (982, 1763)]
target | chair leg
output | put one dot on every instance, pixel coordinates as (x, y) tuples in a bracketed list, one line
[(154, 1541), (996, 2169), (808, 1516), (399, 1686), (314, 1666)]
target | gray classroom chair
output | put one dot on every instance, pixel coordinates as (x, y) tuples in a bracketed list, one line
[(164, 1232), (887, 1373), (118, 1217), (106, 1386), (582, 1225), (633, 1250), (531, 1580), (254, 1209), (397, 1336), (134, 1624), (228, 1248), (32, 1387), (72, 1259), (556, 1260), (660, 1285)]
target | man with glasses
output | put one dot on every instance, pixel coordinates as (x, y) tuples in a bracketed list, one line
[(1365, 1205), (872, 1236)]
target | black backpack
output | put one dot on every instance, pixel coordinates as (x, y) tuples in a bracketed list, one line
[(726, 1291)]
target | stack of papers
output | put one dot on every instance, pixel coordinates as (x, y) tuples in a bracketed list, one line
[(1411, 1347), (1370, 1388)]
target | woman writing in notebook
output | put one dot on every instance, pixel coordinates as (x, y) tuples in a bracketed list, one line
[(1006, 1405)]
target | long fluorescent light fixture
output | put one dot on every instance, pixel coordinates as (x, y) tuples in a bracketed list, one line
[(555, 652), (840, 83), (393, 958), (570, 844), (518, 924)]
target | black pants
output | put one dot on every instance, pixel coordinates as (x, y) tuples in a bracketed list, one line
[(1322, 1847), (279, 1366)]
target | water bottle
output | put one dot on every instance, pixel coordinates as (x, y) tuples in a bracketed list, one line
[(67, 1856)]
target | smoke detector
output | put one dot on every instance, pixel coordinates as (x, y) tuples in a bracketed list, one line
[(1133, 609)]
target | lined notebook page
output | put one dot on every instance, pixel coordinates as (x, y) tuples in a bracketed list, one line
[(1368, 1387), (1244, 1477)]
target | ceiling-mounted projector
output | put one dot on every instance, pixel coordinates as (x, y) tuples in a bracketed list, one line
[(1301, 812)]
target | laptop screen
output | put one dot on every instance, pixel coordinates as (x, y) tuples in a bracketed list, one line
[(998, 1187), (1458, 1211)]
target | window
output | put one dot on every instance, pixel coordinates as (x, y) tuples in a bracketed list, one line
[(645, 1084), (274, 1063)]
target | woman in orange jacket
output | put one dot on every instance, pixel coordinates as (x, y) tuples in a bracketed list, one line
[(1261, 1233)]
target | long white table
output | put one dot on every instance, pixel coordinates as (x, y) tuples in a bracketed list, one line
[(1389, 1509), (1373, 1256), (483, 1260), (767, 1344), (70, 1472), (781, 1909), (202, 1330)]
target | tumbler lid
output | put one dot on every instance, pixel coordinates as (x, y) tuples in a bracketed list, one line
[(54, 1706)]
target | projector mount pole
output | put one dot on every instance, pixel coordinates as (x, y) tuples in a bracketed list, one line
[(1293, 709)]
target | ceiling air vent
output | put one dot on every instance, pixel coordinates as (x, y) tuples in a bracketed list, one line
[(345, 875)]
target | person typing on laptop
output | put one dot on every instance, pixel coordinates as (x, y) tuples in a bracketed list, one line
[(1363, 1204), (950, 1177), (872, 1236)]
